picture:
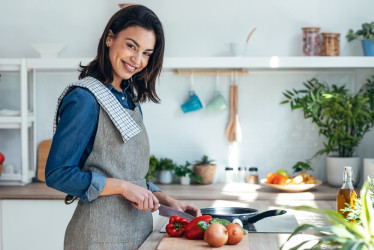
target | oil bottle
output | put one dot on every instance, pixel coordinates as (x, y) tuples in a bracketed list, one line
[(347, 193)]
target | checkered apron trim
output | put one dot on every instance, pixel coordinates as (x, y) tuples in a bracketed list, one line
[(117, 113)]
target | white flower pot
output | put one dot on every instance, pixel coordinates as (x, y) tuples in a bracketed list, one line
[(335, 168), (368, 168), (166, 177), (185, 180)]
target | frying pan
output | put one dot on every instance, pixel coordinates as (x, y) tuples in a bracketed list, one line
[(246, 215)]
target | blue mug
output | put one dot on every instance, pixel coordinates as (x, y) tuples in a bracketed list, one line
[(192, 104)]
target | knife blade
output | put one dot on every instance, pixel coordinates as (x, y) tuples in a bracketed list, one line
[(168, 212)]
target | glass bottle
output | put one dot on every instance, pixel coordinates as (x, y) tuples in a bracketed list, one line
[(252, 176), (330, 44), (347, 193), (311, 41), (229, 175)]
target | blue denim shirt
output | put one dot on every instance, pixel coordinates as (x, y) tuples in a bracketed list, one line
[(73, 142)]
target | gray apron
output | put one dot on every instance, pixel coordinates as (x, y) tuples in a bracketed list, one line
[(111, 222)]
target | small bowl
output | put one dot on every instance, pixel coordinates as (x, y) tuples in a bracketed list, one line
[(48, 50)]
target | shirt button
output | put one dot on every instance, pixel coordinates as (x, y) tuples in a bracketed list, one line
[(123, 98)]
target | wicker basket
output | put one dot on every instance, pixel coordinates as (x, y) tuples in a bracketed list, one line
[(205, 171)]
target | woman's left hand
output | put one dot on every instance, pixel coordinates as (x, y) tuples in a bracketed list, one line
[(186, 207), (180, 205)]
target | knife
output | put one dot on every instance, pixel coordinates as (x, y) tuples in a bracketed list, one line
[(168, 212)]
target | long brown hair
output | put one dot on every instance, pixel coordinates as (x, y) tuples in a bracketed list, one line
[(144, 81)]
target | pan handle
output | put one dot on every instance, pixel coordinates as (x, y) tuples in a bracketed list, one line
[(265, 214)]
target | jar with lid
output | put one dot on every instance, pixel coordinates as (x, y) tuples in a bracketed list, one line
[(252, 175), (242, 173), (229, 175), (311, 41), (330, 44)]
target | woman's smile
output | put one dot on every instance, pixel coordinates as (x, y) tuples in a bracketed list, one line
[(129, 52)]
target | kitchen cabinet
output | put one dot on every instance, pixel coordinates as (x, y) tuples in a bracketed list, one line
[(20, 125)]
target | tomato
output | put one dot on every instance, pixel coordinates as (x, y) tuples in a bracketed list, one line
[(2, 158)]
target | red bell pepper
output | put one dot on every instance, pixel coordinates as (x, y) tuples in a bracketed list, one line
[(176, 226), (193, 231)]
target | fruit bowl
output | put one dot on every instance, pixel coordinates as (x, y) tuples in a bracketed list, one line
[(292, 188)]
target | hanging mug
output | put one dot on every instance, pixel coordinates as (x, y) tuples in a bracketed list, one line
[(217, 103), (192, 104)]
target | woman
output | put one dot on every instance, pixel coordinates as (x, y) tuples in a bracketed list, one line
[(100, 150)]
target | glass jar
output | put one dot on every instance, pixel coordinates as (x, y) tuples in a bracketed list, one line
[(252, 175), (330, 44), (229, 175), (311, 41)]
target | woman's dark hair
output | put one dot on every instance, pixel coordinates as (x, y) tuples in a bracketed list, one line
[(145, 81)]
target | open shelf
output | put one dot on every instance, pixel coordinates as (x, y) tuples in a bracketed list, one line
[(244, 63), (14, 122)]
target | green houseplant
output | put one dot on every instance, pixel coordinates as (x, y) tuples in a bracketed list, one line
[(186, 174), (152, 168), (165, 166), (341, 117), (206, 169), (366, 34), (342, 234)]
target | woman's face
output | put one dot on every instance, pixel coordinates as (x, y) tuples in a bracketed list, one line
[(129, 51)]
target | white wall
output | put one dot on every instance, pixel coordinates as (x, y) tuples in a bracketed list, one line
[(274, 137)]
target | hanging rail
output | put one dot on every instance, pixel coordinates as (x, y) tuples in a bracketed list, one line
[(211, 73)]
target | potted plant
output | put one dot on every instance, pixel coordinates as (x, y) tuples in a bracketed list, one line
[(206, 169), (367, 37), (152, 168), (186, 174), (341, 117), (341, 234), (166, 167)]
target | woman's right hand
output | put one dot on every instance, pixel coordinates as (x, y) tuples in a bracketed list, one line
[(141, 198)]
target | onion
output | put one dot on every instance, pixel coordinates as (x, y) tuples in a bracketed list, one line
[(216, 235), (235, 233)]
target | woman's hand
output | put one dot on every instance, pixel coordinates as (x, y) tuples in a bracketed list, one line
[(180, 205), (141, 198)]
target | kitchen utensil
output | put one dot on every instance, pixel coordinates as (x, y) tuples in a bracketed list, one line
[(43, 151), (250, 34), (230, 126), (238, 130), (182, 243), (168, 212), (292, 188), (246, 215)]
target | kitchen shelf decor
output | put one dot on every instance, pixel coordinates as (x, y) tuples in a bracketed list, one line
[(23, 121)]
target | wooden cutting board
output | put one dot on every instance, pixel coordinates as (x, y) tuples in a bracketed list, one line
[(43, 151), (182, 243)]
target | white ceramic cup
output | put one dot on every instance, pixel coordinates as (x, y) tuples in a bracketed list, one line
[(238, 49)]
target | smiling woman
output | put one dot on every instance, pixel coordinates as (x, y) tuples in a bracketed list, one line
[(100, 150)]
